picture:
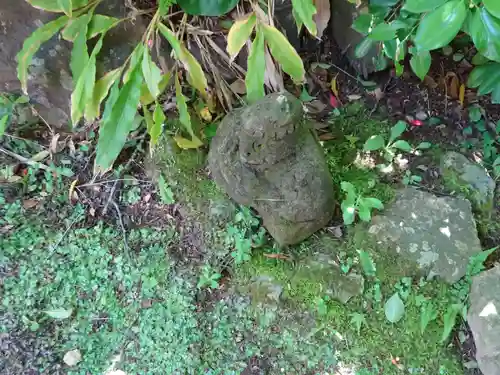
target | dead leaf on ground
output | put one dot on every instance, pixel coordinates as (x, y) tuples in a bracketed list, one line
[(452, 85), (53, 143), (322, 16), (29, 203), (72, 358), (430, 82), (326, 137), (378, 94)]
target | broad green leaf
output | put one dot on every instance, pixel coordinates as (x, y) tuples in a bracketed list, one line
[(348, 188), (211, 8), (151, 73), (363, 48), (476, 262), (422, 6), (424, 146), (188, 144), (450, 318), (146, 97), (3, 124), (254, 80), (439, 27), (348, 213), (118, 121), (367, 263), (375, 142), (485, 32), (363, 23), (305, 10), (239, 33), (487, 79), (79, 52), (184, 116), (284, 53), (84, 88), (100, 24), (385, 31), (395, 49), (158, 121), (196, 77), (59, 313), (101, 89), (402, 145), (421, 63), (135, 57), (364, 212), (31, 46), (373, 203), (54, 5), (397, 130), (166, 194), (493, 6), (428, 313), (66, 6), (394, 308)]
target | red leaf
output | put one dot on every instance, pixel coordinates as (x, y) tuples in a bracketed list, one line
[(333, 101), (416, 123)]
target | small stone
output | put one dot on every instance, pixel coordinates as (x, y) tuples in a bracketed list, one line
[(72, 358), (421, 115)]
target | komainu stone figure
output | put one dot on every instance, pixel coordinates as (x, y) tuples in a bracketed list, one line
[(266, 156)]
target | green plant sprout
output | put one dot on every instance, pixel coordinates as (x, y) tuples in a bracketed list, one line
[(354, 204)]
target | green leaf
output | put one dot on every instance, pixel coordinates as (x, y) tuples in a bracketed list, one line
[(196, 77), (375, 142), (485, 33), (284, 53), (394, 308), (79, 52), (305, 10), (101, 89), (397, 130), (424, 146), (367, 263), (254, 80), (166, 194), (421, 63), (146, 97), (239, 33), (364, 212), (151, 73), (55, 5), (402, 145), (31, 46), (363, 48), (358, 320), (59, 313), (211, 8), (84, 88), (100, 24), (385, 31), (428, 313), (373, 203), (487, 78), (3, 124), (422, 6), (116, 125), (348, 212), (184, 117), (493, 6), (363, 23), (348, 188), (66, 6), (450, 318), (439, 27), (476, 262), (158, 121)]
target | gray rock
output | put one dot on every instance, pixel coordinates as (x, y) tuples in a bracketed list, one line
[(470, 180), (431, 235), (267, 157), (421, 115), (50, 82), (264, 289), (484, 319)]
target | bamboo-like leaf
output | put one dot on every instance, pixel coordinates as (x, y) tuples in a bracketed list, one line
[(284, 53), (187, 144), (101, 24), (54, 5), (135, 57), (146, 97), (31, 46), (305, 11), (101, 89), (79, 52), (118, 121), (158, 121), (239, 33), (151, 73), (196, 77), (66, 6), (254, 80), (184, 116)]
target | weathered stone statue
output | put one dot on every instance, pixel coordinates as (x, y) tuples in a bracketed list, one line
[(266, 156)]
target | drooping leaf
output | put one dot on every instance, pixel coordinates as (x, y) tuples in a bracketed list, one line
[(422, 6), (99, 24), (136, 56), (284, 53), (439, 27), (158, 121), (79, 52), (101, 89), (375, 142), (184, 116), (322, 16), (487, 79), (394, 308), (239, 33), (54, 5), (196, 77), (117, 123), (305, 10), (66, 6), (211, 8), (31, 46), (397, 130), (146, 97), (254, 80), (421, 63), (485, 32), (367, 263), (152, 74), (493, 6), (59, 313)]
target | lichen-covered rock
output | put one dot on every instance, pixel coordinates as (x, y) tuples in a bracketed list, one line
[(484, 319), (469, 180), (432, 235), (267, 157)]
